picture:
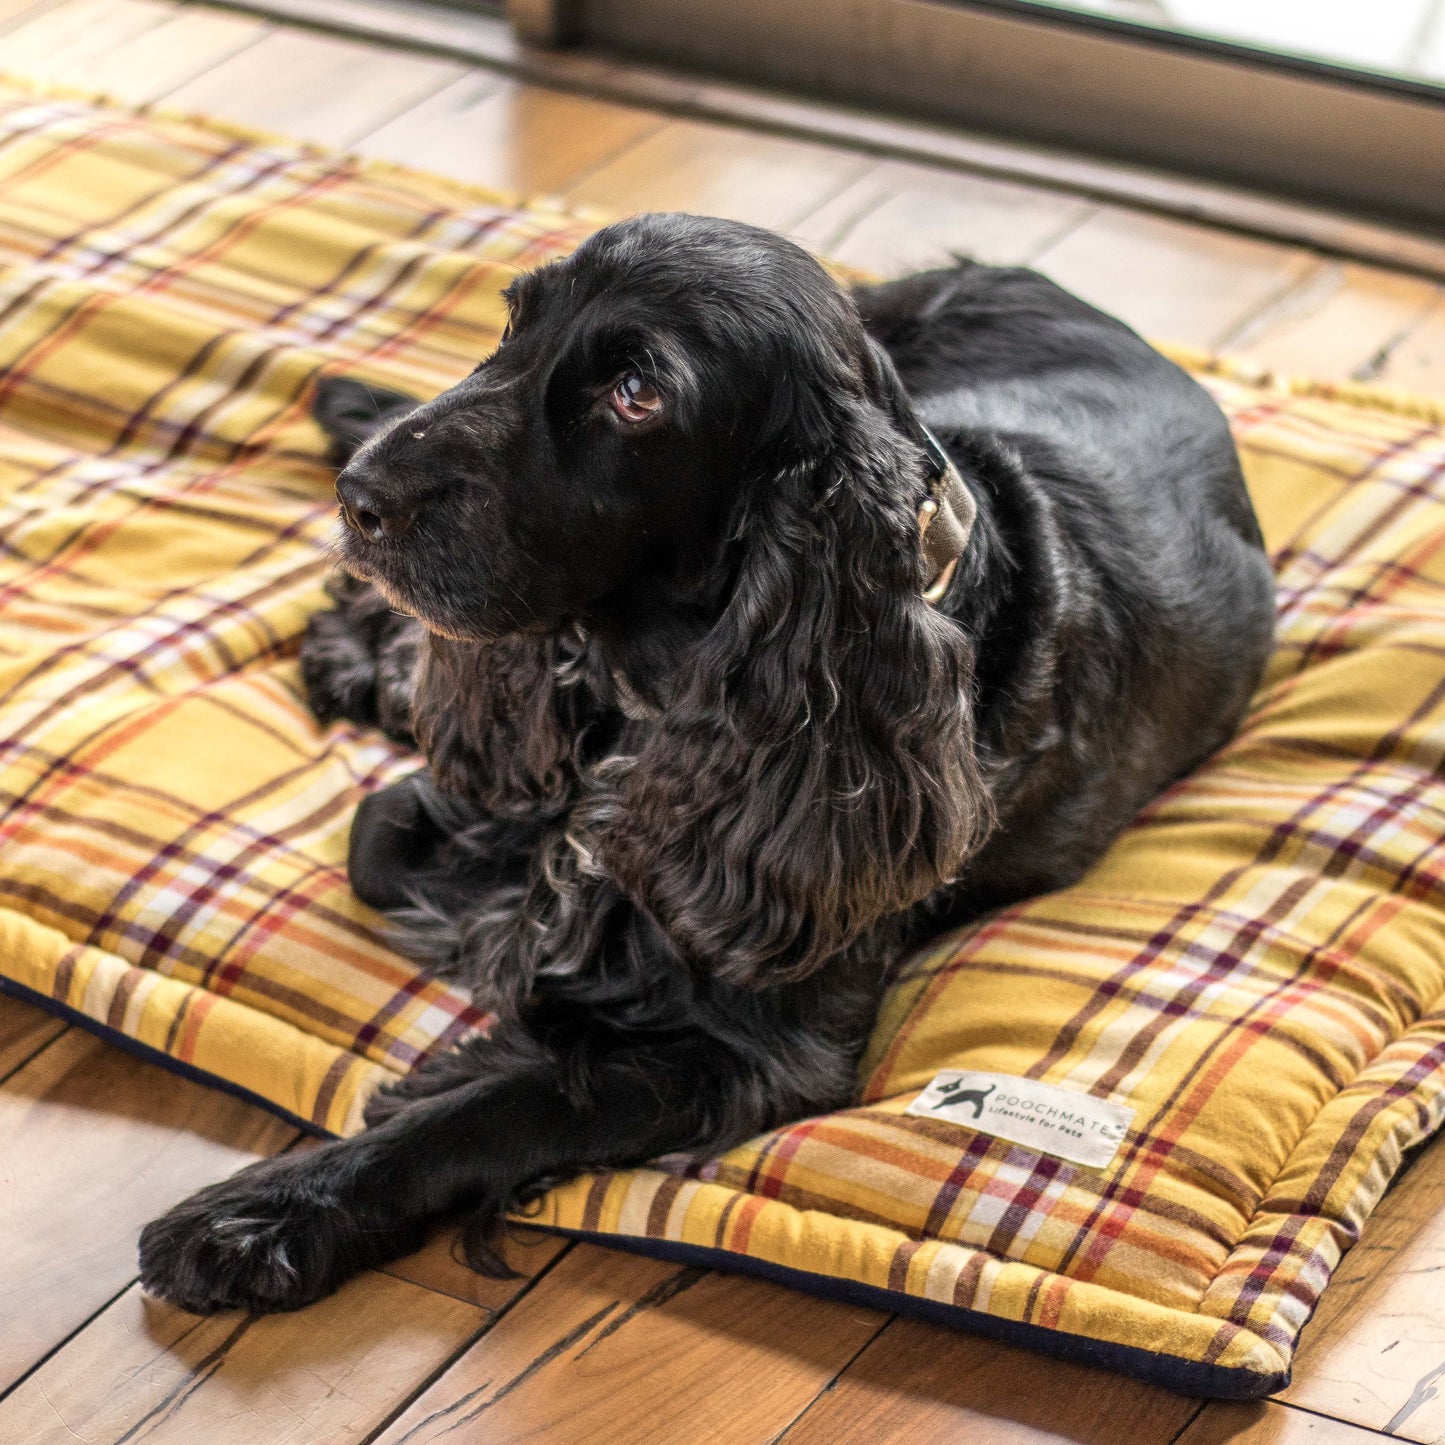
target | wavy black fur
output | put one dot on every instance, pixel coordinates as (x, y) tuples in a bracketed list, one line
[(701, 762)]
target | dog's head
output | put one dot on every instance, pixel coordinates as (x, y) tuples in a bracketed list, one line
[(603, 452), (687, 420)]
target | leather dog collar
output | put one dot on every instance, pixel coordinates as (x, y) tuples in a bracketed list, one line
[(945, 519)]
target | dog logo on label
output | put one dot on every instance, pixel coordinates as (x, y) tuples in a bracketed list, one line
[(955, 1093)]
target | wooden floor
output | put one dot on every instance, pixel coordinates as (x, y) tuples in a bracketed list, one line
[(592, 1345)]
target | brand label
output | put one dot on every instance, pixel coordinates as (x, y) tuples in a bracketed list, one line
[(1062, 1122)]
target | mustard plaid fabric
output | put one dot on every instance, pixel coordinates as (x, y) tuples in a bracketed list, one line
[(1256, 968), (172, 825)]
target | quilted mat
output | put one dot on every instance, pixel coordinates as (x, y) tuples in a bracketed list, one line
[(1255, 970)]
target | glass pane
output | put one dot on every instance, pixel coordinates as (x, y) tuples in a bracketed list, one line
[(1402, 38)]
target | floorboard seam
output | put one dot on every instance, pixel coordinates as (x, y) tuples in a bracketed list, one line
[(1279, 304), (832, 1381), (1338, 1420), (569, 187), (1237, 333), (24, 17), (1178, 1435), (841, 189), (264, 33), (1371, 368), (349, 145), (833, 241), (486, 1327), (34, 1054), (53, 1350), (1040, 249)]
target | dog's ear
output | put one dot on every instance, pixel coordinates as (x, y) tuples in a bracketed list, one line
[(501, 723), (350, 410), (814, 770)]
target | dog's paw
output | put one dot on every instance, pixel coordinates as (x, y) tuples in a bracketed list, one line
[(271, 1238), (338, 659)]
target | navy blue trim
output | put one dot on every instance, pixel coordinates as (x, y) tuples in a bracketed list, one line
[(1172, 1372), (153, 1055), (1187, 1377)]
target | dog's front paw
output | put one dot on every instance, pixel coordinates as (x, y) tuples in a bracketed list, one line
[(273, 1237)]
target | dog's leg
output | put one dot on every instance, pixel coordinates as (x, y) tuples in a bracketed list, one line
[(434, 861), (287, 1231), (604, 1066), (395, 838), (359, 660)]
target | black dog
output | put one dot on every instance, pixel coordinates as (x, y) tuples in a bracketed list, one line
[(712, 732)]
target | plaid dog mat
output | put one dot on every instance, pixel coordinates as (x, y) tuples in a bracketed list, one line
[(1255, 970)]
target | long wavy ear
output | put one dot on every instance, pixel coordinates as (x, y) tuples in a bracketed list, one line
[(505, 724), (814, 770)]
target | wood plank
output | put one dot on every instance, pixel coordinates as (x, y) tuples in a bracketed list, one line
[(321, 1376), (438, 1265), (186, 43), (616, 1347), (14, 12), (916, 1384), (519, 138), (1170, 280), (314, 87), (58, 42), (476, 36), (1417, 362), (718, 170), (1264, 1423), (1373, 1352), (24, 1031), (93, 1144), (1340, 323), (899, 217)]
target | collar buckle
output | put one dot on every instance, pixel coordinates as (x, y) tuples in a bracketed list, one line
[(945, 518)]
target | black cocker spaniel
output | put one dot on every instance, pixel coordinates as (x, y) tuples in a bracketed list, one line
[(753, 630)]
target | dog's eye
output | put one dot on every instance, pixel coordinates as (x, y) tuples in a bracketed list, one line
[(635, 399)]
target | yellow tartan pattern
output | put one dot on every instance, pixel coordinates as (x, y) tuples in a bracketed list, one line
[(172, 825), (1256, 967)]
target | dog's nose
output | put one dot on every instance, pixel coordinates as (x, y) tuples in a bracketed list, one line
[(369, 510)]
